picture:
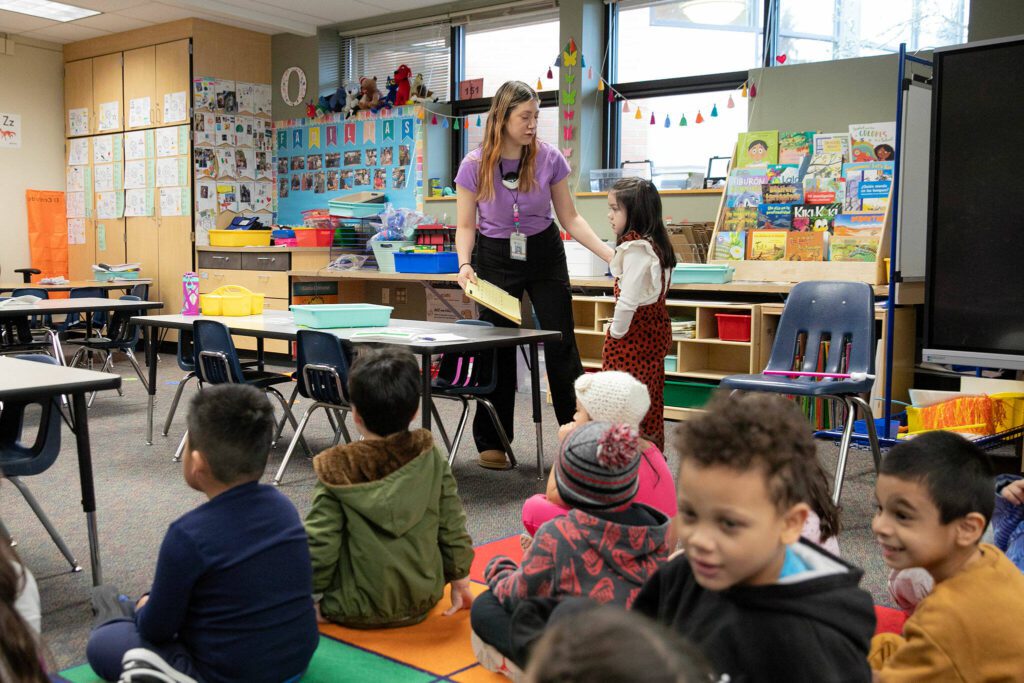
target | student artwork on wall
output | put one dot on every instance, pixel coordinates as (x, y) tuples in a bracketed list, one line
[(329, 157)]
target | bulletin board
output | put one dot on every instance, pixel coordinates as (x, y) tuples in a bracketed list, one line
[(328, 157)]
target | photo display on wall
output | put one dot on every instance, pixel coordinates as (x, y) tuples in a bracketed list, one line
[(329, 157), (234, 153)]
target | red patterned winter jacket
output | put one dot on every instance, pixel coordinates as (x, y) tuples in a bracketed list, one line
[(581, 555)]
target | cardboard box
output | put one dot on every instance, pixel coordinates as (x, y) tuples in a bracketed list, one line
[(438, 301)]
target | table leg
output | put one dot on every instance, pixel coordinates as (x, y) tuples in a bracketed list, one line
[(425, 406), (535, 386), (88, 491), (259, 353), (152, 337)]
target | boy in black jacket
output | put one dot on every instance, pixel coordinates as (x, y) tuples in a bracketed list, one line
[(760, 603)]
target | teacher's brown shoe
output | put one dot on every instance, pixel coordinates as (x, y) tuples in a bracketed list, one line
[(493, 459)]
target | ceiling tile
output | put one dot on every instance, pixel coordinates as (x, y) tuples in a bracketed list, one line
[(107, 6), (156, 12), (66, 33), (15, 22), (112, 22)]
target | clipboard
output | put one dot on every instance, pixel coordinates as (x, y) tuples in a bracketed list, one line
[(495, 298)]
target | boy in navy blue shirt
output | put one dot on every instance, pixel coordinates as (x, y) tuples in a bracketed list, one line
[(232, 595)]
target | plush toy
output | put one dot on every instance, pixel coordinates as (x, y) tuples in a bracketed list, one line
[(419, 92), (310, 110), (388, 100), (402, 75), (351, 103), (369, 95)]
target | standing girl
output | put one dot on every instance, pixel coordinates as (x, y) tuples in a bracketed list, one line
[(506, 189), (641, 331)]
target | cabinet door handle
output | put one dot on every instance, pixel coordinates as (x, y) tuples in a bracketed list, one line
[(266, 258), (221, 258)]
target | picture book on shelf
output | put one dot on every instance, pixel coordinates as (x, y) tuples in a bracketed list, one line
[(783, 173), (730, 246), (806, 246), (824, 190), (767, 245), (815, 217), (775, 217), (756, 148), (873, 141), (832, 143), (861, 248), (787, 193), (868, 185), (853, 224), (744, 186), (794, 145), (740, 219)]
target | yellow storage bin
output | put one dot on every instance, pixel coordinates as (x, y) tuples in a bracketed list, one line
[(240, 238), (231, 300), (982, 415)]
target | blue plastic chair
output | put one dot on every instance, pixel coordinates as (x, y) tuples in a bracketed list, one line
[(842, 312), (121, 335), (186, 358), (323, 364), (19, 459), (469, 376), (217, 362), (37, 321), (78, 321)]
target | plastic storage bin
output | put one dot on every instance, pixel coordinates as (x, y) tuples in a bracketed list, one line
[(441, 262), (733, 327), (116, 275), (701, 273), (681, 394), (671, 363), (384, 251), (314, 237), (357, 204), (325, 316), (240, 238), (231, 300)]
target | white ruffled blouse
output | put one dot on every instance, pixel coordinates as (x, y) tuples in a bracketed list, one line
[(641, 282)]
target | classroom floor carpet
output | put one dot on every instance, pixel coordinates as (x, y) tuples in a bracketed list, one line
[(435, 650)]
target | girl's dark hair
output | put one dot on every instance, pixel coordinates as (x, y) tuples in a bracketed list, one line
[(642, 204), (19, 651), (748, 431), (606, 644)]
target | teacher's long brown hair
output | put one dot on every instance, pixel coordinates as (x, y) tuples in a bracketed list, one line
[(509, 96)]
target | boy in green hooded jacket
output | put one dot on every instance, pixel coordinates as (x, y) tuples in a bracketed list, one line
[(386, 528)]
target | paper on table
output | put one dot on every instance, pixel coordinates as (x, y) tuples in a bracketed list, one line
[(495, 298), (78, 121), (109, 119), (140, 112), (78, 151)]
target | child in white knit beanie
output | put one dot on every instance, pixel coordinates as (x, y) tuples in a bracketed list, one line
[(610, 396)]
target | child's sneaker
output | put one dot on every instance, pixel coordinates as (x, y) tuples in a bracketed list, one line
[(140, 665), (494, 661)]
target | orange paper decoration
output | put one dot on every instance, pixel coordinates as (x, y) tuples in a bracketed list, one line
[(699, 119)]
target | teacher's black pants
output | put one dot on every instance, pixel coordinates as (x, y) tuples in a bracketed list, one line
[(545, 277)]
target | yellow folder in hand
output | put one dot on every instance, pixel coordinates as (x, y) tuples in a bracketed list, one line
[(495, 298)]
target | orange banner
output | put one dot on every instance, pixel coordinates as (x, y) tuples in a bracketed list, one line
[(47, 232)]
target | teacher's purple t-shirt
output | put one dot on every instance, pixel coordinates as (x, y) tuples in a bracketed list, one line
[(535, 213)]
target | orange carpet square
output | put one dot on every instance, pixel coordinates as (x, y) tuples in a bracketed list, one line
[(477, 674), (506, 546)]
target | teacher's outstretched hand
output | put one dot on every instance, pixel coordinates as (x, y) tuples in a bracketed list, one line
[(506, 234)]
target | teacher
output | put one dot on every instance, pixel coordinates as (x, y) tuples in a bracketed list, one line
[(511, 183)]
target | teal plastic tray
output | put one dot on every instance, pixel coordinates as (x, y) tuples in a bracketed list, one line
[(117, 275), (701, 273), (326, 316)]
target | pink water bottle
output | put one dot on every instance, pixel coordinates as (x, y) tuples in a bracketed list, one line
[(190, 294)]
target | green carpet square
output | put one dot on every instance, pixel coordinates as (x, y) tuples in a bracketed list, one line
[(81, 674)]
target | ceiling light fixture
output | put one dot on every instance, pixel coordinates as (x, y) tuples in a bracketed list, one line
[(45, 9)]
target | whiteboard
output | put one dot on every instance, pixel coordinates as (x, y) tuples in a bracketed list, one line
[(915, 165)]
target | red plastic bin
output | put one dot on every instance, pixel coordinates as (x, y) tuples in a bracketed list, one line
[(314, 237), (733, 327)]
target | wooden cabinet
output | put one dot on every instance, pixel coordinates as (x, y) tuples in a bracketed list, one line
[(107, 94), (110, 241), (140, 87), (78, 96), (81, 257), (173, 80)]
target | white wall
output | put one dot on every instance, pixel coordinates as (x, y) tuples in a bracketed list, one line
[(32, 85)]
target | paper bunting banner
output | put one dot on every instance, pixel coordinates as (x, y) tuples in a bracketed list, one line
[(682, 120), (730, 104), (583, 63), (611, 95), (569, 59), (540, 86), (407, 129), (478, 122), (350, 133), (282, 139), (572, 45), (332, 136), (444, 122), (567, 152), (638, 114), (652, 118), (600, 87), (570, 114), (714, 110), (699, 119), (369, 131), (625, 106), (558, 60), (743, 90), (668, 124), (569, 97), (567, 133), (590, 76), (314, 137), (388, 130), (550, 75), (433, 120), (455, 124), (753, 90), (297, 137)]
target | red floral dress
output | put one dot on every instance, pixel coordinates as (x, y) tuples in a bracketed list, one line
[(641, 353)]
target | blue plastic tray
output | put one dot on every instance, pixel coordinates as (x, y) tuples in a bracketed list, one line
[(701, 273), (441, 262), (325, 316)]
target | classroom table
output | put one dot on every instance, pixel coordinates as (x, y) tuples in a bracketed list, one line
[(280, 325), (22, 380), (76, 284)]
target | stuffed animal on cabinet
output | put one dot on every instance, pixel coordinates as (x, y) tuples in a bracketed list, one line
[(419, 92), (369, 95), (402, 93)]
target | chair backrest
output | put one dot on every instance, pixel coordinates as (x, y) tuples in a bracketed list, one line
[(141, 291), (471, 372), (36, 321), (121, 331), (18, 459), (841, 312), (215, 356), (186, 351), (99, 318), (323, 365)]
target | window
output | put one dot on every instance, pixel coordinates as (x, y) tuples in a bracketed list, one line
[(424, 50), (682, 148), (547, 128), (821, 30), (688, 38), (525, 51)]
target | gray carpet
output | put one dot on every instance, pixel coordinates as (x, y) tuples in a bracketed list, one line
[(140, 491)]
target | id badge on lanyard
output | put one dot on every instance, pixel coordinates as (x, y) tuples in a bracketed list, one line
[(517, 240)]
